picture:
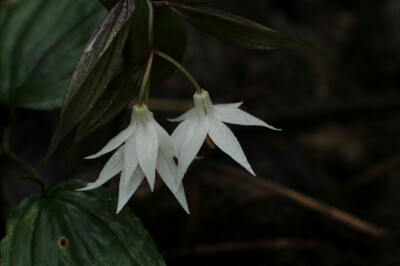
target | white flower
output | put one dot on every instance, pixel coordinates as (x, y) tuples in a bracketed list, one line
[(206, 118), (145, 148)]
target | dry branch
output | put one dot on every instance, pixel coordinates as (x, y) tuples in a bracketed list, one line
[(306, 201), (261, 245), (377, 170)]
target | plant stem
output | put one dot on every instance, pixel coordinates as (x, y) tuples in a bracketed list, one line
[(146, 82), (33, 174), (182, 69), (151, 22)]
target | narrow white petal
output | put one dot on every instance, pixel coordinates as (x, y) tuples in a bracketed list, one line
[(189, 139), (183, 116), (128, 186), (165, 142), (166, 168), (181, 197), (239, 117), (131, 159), (115, 142), (147, 149), (227, 142), (113, 166), (229, 105), (180, 132)]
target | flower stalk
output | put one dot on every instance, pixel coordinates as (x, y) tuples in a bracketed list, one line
[(151, 23), (146, 81), (181, 68)]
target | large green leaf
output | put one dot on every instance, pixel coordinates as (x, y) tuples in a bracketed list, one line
[(67, 227), (94, 69), (40, 43), (237, 30)]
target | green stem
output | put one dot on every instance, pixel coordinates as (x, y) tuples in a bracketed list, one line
[(151, 22), (146, 95), (182, 69), (33, 174), (146, 81)]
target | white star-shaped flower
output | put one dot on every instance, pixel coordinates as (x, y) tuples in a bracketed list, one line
[(206, 119), (144, 147)]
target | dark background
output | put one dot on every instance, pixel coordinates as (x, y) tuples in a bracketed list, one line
[(339, 145)]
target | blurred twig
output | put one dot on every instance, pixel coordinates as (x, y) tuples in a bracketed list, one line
[(306, 201), (261, 245), (375, 171)]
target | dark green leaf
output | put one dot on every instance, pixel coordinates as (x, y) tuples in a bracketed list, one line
[(40, 43), (239, 31), (76, 228), (94, 69), (118, 94)]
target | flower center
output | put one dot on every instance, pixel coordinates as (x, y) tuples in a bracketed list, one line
[(141, 112), (203, 102)]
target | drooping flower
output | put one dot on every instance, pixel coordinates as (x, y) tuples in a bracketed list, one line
[(207, 119), (144, 147)]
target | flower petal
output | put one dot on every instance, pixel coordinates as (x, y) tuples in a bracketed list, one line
[(239, 117), (180, 132), (229, 105), (113, 166), (128, 186), (227, 142), (188, 137), (131, 158), (165, 142), (181, 197), (147, 149), (166, 168), (184, 116), (115, 142)]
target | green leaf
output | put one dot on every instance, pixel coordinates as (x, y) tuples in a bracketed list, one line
[(118, 94), (169, 37), (40, 43), (239, 31), (67, 227), (94, 69)]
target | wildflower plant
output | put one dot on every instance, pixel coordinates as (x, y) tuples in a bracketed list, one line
[(116, 64)]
